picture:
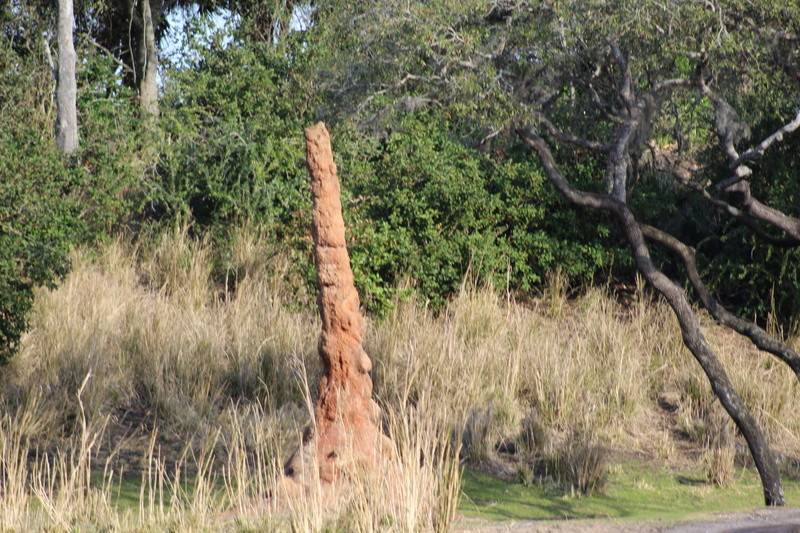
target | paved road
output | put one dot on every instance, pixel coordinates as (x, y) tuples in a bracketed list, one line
[(756, 521)]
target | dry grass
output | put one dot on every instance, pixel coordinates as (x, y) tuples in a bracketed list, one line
[(141, 362)]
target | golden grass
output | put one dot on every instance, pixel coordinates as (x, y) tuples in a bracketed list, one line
[(142, 361)]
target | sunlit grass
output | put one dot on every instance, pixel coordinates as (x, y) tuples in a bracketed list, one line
[(180, 396), (635, 491)]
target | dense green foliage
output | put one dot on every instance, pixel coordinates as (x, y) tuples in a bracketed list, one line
[(760, 278), (48, 203), (422, 99), (420, 205), (232, 147), (428, 209), (486, 66)]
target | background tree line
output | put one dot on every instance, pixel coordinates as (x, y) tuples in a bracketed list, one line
[(424, 202), (423, 99)]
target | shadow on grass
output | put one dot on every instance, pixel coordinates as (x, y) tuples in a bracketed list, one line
[(693, 481)]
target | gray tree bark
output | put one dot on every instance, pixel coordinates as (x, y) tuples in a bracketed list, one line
[(148, 88), (144, 51), (66, 84), (633, 113), (693, 336), (759, 337)]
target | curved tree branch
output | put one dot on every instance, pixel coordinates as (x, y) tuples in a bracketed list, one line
[(572, 139), (763, 212), (634, 115), (762, 147), (759, 337), (747, 221), (731, 130), (693, 336)]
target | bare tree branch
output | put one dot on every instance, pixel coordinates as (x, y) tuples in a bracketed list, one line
[(759, 337), (693, 336), (731, 130), (671, 84), (625, 83), (608, 110), (750, 223), (106, 51), (763, 212), (617, 166), (571, 139), (762, 147)]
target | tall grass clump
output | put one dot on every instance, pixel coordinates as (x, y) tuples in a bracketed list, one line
[(199, 388), (60, 490), (52, 489), (156, 335), (492, 362), (581, 465), (191, 368), (592, 368), (416, 489)]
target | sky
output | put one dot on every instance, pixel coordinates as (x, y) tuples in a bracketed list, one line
[(216, 28)]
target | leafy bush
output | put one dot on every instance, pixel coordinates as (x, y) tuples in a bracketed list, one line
[(418, 203), (232, 147), (423, 206), (49, 203)]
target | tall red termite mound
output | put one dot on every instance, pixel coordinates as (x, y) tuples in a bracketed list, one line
[(345, 437)]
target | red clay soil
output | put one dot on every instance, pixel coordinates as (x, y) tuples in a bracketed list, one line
[(346, 437)]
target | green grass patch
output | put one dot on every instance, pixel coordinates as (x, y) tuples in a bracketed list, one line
[(126, 491), (634, 491)]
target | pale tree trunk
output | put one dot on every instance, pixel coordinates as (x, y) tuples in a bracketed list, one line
[(148, 89), (67, 88), (144, 53)]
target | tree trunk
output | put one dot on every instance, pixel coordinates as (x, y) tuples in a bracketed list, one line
[(759, 337), (694, 339), (346, 437), (148, 62), (691, 331), (66, 88)]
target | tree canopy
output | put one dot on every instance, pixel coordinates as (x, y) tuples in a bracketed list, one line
[(424, 99)]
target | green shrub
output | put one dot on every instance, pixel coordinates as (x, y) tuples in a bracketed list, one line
[(49, 203), (232, 147), (423, 206)]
